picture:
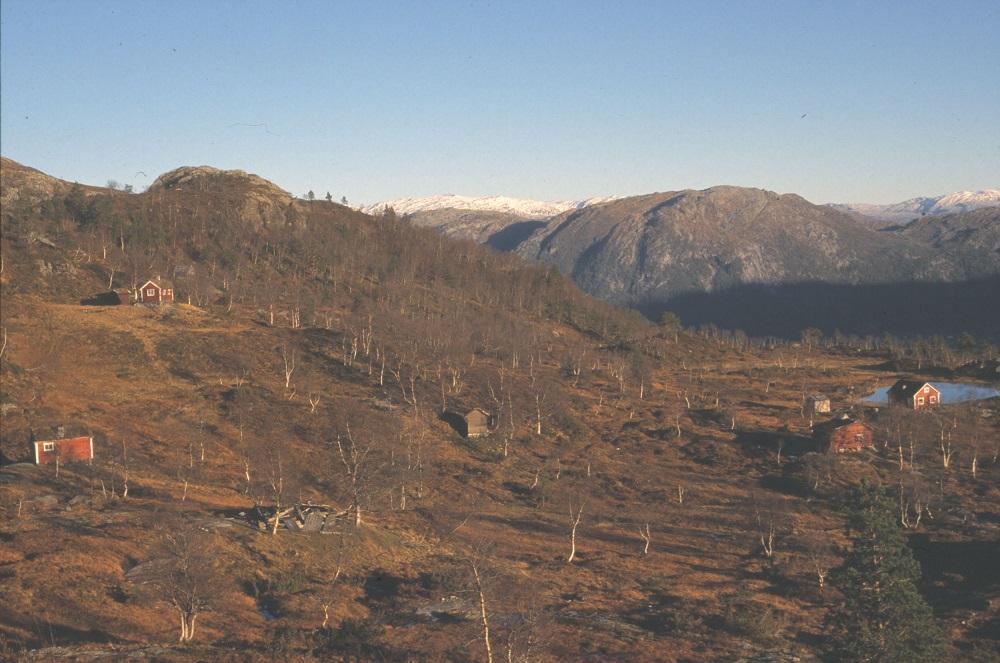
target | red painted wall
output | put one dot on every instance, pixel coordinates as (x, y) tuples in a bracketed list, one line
[(852, 437), (931, 398), (68, 450), (158, 295)]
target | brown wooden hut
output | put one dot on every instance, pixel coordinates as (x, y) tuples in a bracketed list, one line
[(844, 434), (472, 423)]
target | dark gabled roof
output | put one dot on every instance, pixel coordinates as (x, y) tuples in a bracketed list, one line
[(466, 413), (826, 427), (477, 409), (906, 388)]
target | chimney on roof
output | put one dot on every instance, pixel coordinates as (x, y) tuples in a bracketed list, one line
[(61, 431)]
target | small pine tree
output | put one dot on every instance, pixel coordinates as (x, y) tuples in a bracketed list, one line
[(310, 196), (885, 619), (329, 197)]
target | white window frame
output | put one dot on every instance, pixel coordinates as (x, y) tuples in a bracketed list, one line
[(150, 292), (920, 400), (927, 390), (48, 446)]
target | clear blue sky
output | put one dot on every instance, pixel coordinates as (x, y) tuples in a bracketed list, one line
[(837, 101)]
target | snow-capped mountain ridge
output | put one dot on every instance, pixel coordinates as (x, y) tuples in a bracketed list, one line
[(949, 203), (963, 201), (527, 209)]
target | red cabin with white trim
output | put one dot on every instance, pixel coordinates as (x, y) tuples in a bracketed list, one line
[(156, 291), (66, 450), (914, 394)]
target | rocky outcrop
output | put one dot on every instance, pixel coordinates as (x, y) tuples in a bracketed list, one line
[(257, 201), (21, 184)]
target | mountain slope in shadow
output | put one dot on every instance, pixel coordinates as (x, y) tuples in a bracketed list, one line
[(905, 309)]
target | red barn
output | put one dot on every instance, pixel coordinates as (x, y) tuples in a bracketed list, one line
[(66, 450), (844, 434), (156, 291), (914, 394)]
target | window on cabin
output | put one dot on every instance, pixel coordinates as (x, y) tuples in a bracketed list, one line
[(150, 292), (48, 446), (927, 390), (920, 400), (859, 438), (932, 399)]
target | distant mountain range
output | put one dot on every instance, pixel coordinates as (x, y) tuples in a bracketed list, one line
[(519, 207), (479, 218), (950, 203), (748, 258)]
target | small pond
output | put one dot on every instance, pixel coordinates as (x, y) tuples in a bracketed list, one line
[(951, 392)]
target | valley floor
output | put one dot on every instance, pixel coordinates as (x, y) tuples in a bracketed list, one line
[(714, 453)]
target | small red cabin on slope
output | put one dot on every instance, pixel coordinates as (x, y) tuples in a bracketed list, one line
[(844, 434), (67, 450), (156, 291), (914, 394)]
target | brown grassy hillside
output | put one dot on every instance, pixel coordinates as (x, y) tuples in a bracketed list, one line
[(309, 325)]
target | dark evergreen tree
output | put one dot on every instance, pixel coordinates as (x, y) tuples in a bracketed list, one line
[(885, 619), (76, 203)]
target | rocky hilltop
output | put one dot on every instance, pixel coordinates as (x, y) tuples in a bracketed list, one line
[(19, 183), (256, 200), (206, 176)]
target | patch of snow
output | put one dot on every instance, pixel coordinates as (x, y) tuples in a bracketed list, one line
[(949, 203), (528, 209)]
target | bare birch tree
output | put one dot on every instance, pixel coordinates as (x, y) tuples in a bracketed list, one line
[(353, 457), (186, 574), (288, 362), (575, 515)]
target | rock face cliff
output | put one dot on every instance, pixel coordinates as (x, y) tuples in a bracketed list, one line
[(973, 238), (650, 248)]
